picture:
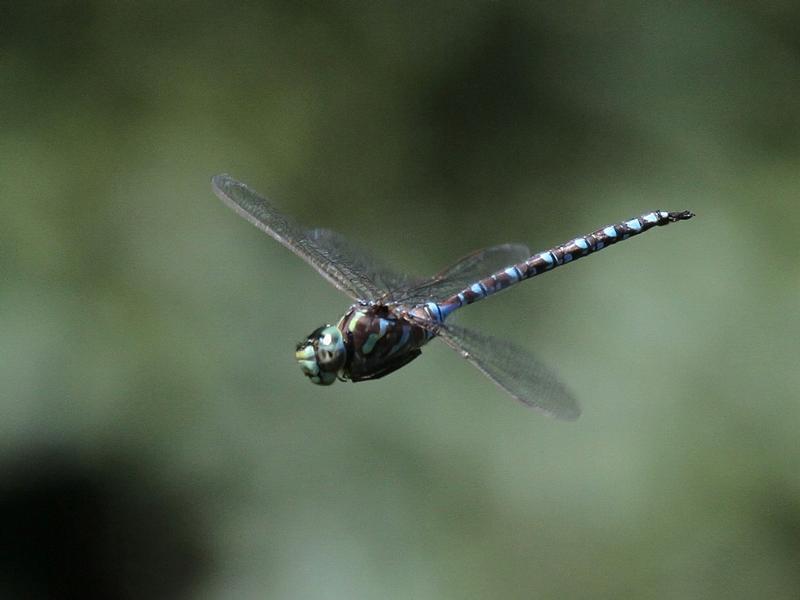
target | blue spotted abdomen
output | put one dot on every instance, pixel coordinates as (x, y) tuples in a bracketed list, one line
[(560, 255)]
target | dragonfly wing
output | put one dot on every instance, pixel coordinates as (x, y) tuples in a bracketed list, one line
[(326, 252), (515, 370), (346, 250), (463, 273)]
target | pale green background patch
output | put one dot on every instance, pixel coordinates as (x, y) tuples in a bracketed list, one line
[(141, 318)]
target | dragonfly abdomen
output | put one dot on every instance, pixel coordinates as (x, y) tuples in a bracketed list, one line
[(560, 255)]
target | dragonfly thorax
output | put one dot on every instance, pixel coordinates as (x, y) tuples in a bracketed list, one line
[(322, 355), (380, 338)]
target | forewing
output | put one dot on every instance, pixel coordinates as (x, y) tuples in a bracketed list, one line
[(362, 261), (464, 273), (327, 252), (515, 370)]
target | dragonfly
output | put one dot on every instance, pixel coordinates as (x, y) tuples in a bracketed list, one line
[(394, 314)]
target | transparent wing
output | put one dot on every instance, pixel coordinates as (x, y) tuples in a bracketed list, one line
[(362, 261), (347, 268), (515, 370), (463, 273)]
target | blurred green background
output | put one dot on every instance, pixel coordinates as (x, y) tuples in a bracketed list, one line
[(157, 437)]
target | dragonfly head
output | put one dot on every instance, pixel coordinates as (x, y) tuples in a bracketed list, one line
[(322, 355)]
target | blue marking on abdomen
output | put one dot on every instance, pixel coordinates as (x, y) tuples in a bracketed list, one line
[(435, 311), (634, 224), (581, 243), (610, 231), (445, 310), (548, 258), (477, 289), (651, 218), (514, 273)]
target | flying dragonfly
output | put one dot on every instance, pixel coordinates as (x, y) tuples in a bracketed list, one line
[(394, 315)]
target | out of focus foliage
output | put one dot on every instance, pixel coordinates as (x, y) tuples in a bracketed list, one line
[(158, 439)]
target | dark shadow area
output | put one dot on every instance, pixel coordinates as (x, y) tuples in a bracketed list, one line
[(71, 529), (492, 114)]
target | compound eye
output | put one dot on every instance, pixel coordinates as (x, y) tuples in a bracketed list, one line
[(330, 349), (325, 356), (322, 355)]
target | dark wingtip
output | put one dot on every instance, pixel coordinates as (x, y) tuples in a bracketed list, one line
[(680, 216)]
